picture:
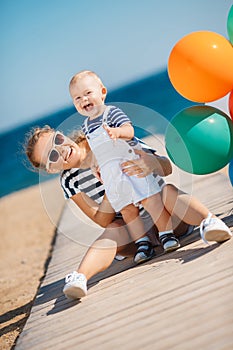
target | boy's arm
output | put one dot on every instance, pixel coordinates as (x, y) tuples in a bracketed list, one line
[(125, 131)]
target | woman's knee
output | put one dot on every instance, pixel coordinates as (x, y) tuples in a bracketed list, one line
[(114, 230), (169, 194), (104, 242), (130, 212), (115, 224), (170, 189), (116, 233)]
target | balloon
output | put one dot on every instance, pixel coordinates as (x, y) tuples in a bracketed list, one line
[(230, 24), (221, 104), (200, 66), (199, 139), (230, 170), (230, 104)]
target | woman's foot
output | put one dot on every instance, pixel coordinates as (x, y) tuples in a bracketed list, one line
[(75, 285), (214, 229)]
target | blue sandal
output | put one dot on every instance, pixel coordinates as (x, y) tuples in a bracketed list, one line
[(169, 242), (144, 251)]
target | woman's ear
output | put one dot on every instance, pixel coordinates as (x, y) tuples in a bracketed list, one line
[(52, 171), (49, 171)]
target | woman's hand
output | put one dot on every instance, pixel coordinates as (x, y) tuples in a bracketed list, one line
[(146, 164), (91, 162), (96, 172)]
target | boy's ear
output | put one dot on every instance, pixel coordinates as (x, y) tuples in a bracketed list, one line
[(104, 91)]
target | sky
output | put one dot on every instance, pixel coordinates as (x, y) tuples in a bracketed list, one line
[(45, 42)]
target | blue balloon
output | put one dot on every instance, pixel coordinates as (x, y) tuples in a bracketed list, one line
[(231, 171)]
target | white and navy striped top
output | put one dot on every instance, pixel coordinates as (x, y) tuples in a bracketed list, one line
[(77, 180), (115, 118)]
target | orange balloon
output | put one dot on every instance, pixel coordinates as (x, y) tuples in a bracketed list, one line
[(230, 104), (200, 66)]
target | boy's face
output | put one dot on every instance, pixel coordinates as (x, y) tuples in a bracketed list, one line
[(88, 96)]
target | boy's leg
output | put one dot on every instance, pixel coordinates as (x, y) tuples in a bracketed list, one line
[(137, 232), (134, 223), (162, 220), (155, 207)]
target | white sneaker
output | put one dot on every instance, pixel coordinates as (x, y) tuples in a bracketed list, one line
[(75, 285), (214, 229)]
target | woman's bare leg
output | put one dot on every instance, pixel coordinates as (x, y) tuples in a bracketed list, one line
[(184, 206), (115, 239), (98, 257)]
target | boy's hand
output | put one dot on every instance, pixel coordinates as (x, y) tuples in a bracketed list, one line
[(113, 133)]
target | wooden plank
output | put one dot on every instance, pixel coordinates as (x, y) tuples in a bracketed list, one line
[(180, 300)]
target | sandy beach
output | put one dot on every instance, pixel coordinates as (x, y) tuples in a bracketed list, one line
[(27, 232)]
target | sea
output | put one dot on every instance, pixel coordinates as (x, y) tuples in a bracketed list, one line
[(150, 100)]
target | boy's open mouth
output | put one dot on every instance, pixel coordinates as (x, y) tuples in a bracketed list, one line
[(88, 107)]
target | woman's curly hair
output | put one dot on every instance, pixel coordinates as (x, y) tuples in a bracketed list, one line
[(77, 136), (35, 133), (31, 140)]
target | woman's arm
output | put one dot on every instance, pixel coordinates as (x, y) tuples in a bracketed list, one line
[(147, 163), (102, 214)]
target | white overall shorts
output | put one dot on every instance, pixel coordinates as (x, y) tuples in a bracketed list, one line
[(120, 189)]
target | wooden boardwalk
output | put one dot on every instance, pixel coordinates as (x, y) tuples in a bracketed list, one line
[(181, 300)]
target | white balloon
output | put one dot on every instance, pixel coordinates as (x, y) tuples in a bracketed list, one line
[(221, 104)]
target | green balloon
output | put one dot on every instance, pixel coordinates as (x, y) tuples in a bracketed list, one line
[(199, 139), (230, 24)]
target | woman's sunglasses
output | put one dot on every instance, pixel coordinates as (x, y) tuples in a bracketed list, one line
[(54, 155)]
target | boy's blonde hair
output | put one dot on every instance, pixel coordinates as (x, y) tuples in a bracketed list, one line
[(83, 74)]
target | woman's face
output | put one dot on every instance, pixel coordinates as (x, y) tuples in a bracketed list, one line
[(56, 152)]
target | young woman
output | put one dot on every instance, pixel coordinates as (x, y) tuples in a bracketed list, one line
[(54, 152)]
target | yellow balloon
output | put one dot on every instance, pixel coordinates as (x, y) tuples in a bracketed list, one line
[(200, 66)]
